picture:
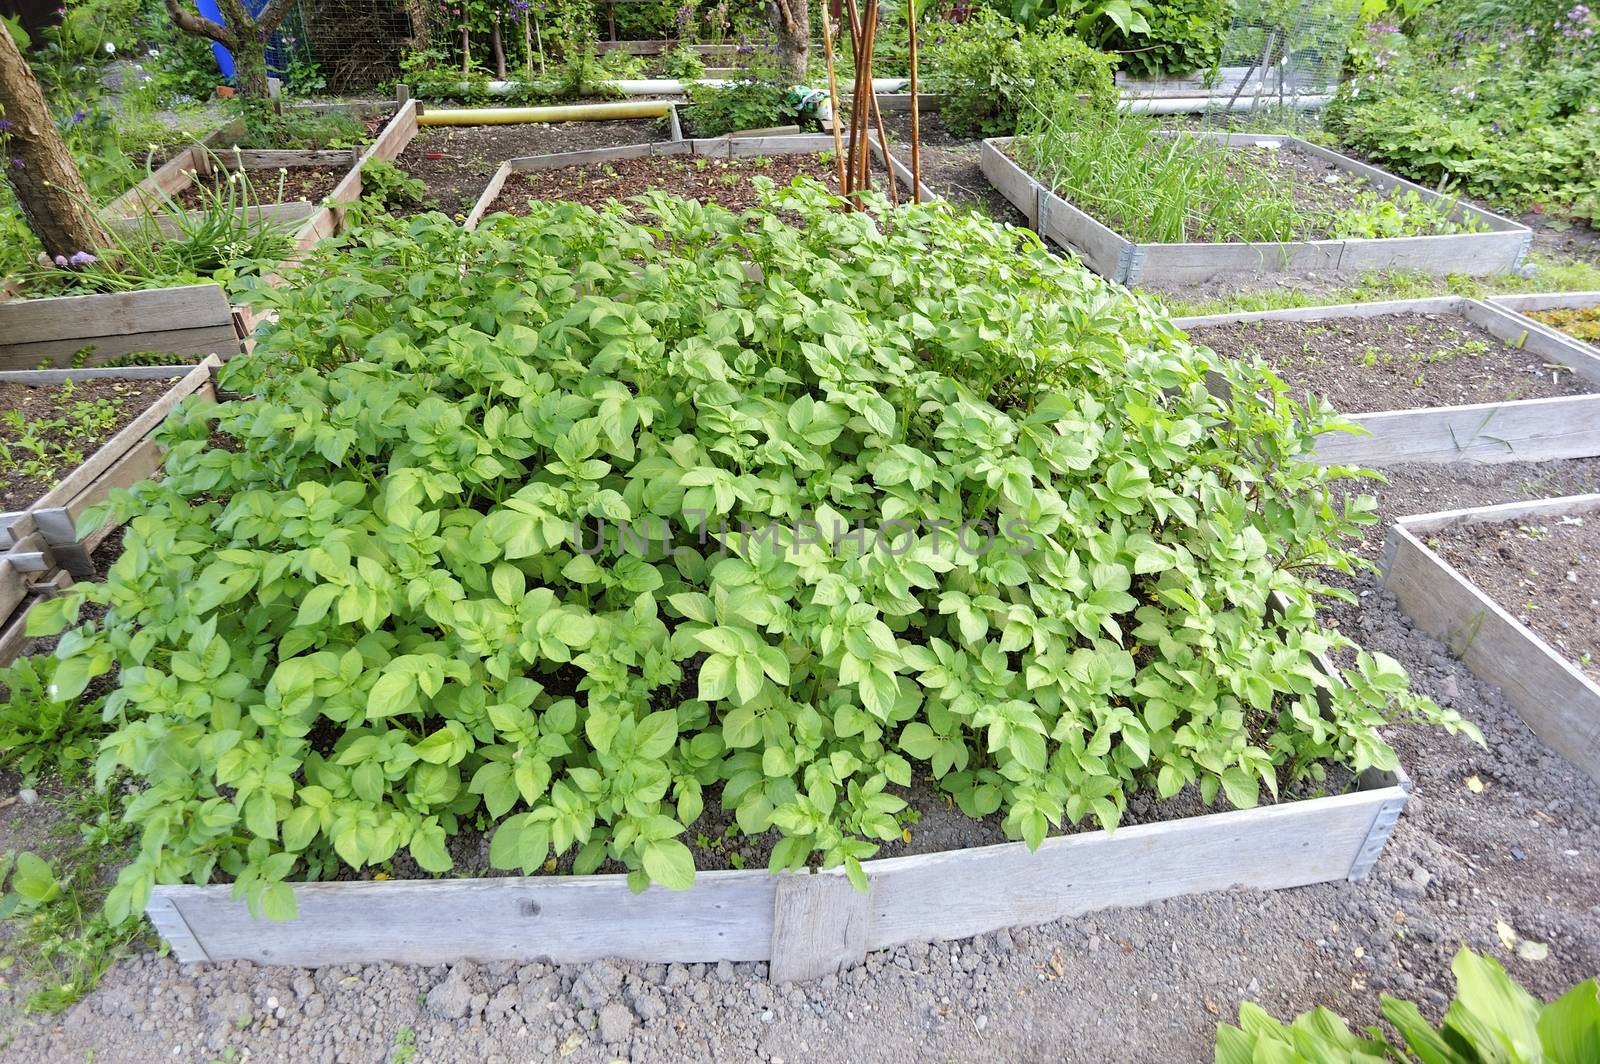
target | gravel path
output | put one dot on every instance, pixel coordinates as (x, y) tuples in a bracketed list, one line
[(1147, 984)]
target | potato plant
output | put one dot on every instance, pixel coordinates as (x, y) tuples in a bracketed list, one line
[(565, 527)]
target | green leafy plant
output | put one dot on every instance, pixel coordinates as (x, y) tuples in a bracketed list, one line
[(385, 186), (547, 529), (1491, 1019), (683, 63), (735, 105), (988, 68), (43, 447)]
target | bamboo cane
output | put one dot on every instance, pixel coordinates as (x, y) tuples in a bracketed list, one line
[(916, 124), (865, 99), (857, 43), (833, 95), (883, 145)]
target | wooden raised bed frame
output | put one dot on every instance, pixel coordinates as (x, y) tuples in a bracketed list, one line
[(733, 147), (805, 925), (1517, 430), (1109, 254), (1556, 699), (128, 457), (193, 320)]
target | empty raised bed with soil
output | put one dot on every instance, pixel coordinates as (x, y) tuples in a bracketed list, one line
[(717, 170), (118, 453), (726, 182), (1556, 693), (1444, 379), (455, 161), (1498, 245)]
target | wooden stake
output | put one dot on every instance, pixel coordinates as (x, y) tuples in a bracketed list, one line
[(833, 95), (916, 124), (883, 143)]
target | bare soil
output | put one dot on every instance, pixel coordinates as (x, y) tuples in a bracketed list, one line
[(309, 183), (1393, 361), (456, 162), (728, 183), (1544, 571), (949, 165), (53, 416)]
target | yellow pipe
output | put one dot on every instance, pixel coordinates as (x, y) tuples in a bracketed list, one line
[(581, 112)]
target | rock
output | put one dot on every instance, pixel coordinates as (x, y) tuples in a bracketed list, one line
[(599, 983), (28, 795), (616, 1023), (981, 1022), (451, 999)]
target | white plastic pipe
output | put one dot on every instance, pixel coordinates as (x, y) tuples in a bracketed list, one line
[(671, 86), (1198, 104)]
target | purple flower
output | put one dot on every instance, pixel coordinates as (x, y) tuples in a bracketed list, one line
[(82, 258), (5, 124), (61, 260), (18, 164), (78, 116)]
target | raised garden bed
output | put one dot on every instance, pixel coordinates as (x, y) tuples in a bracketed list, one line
[(725, 182), (741, 153), (186, 320), (191, 320), (804, 925), (1401, 370), (1569, 314), (1496, 634), (124, 456), (1497, 248)]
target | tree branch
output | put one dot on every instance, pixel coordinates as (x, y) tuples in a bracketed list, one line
[(272, 15), (191, 21)]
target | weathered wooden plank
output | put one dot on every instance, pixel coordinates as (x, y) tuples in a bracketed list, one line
[(1009, 179), (214, 339), (805, 924), (27, 321), (1546, 301), (961, 893), (92, 373), (1100, 247), (14, 632), (1557, 701), (1196, 263), (285, 214), (486, 198), (927, 102), (288, 158), (1502, 512), (1474, 254), (820, 925), (1556, 347), (727, 916), (79, 480), (1525, 430), (590, 156), (1378, 308)]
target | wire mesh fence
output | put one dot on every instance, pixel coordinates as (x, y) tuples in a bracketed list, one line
[(1281, 60)]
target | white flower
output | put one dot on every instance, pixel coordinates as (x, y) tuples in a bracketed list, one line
[(111, 49)]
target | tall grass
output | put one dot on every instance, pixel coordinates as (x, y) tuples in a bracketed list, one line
[(1150, 186)]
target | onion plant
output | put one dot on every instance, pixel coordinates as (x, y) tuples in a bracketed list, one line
[(168, 244), (1151, 186)]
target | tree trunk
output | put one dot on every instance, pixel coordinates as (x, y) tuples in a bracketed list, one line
[(497, 49), (243, 35), (792, 20), (48, 186), (250, 66), (421, 26)]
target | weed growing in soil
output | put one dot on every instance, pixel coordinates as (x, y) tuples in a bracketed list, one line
[(553, 525), (44, 448)]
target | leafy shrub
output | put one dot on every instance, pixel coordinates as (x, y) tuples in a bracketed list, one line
[(684, 64), (39, 730), (1504, 116), (1152, 36), (1491, 1019), (735, 105), (509, 532), (987, 68), (299, 128), (386, 187)]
